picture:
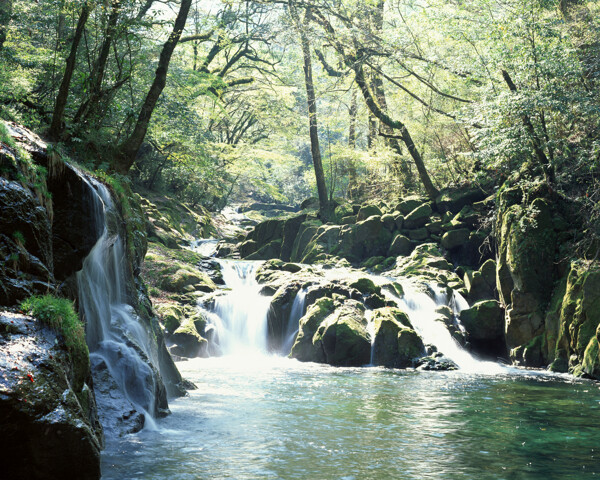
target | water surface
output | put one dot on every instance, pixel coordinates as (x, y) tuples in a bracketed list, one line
[(273, 418)]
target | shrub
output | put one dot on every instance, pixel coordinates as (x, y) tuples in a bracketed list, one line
[(59, 314)]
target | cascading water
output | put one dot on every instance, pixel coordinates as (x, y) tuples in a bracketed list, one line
[(206, 247), (239, 317), (421, 310), (296, 313), (113, 333)]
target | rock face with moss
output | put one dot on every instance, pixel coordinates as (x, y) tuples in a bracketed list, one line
[(50, 427), (395, 343)]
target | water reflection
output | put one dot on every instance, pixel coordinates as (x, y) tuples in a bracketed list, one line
[(281, 419)]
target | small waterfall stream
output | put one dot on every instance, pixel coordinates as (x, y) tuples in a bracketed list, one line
[(239, 317), (114, 335)]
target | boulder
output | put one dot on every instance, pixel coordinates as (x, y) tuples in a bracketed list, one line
[(389, 222), (401, 246), (279, 314), (395, 344), (188, 341), (304, 348), (419, 217), (410, 203), (455, 238), (367, 211), (268, 251), (365, 286), (291, 227), (454, 199), (418, 234), (484, 326), (343, 336)]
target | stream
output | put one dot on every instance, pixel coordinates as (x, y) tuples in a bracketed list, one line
[(259, 416)]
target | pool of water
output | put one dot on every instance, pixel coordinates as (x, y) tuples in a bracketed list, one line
[(274, 418)]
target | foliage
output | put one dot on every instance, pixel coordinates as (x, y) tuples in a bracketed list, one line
[(59, 314)]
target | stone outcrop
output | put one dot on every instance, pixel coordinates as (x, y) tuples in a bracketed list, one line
[(50, 427)]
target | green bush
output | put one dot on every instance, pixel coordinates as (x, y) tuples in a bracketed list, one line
[(59, 314)]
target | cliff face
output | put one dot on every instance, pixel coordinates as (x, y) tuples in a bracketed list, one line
[(49, 224), (552, 298)]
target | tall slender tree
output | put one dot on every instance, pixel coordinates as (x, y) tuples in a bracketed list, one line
[(301, 26), (129, 148)]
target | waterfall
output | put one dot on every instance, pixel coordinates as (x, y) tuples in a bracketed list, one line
[(421, 310), (239, 317), (206, 247), (113, 332), (296, 313)]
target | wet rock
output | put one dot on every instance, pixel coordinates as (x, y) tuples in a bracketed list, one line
[(49, 430), (304, 348), (291, 227), (484, 326), (270, 250), (396, 345), (343, 337), (279, 313)]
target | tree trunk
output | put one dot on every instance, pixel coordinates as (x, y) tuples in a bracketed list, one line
[(312, 112), (5, 16), (56, 127), (352, 129), (405, 136), (98, 73), (129, 149)]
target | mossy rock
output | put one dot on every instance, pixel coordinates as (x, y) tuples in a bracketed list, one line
[(393, 345), (188, 341), (303, 348), (367, 211), (389, 222), (419, 217), (455, 238), (171, 316), (484, 320), (454, 199), (371, 262), (418, 234), (401, 246), (268, 251), (408, 204), (343, 336), (365, 286), (342, 211), (183, 277)]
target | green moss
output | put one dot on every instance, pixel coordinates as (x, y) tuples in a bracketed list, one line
[(59, 314)]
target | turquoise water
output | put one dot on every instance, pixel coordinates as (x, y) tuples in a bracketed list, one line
[(273, 418)]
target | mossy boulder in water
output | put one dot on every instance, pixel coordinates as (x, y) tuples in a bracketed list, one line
[(279, 313), (484, 325), (188, 341), (343, 336), (304, 348), (395, 344)]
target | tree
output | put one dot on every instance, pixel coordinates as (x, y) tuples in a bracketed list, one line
[(315, 148), (129, 148), (56, 126), (5, 14)]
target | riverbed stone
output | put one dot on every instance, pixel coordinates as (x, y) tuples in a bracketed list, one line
[(455, 238), (401, 246)]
